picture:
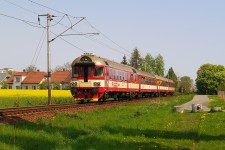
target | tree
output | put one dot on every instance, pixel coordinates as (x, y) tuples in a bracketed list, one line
[(66, 66), (148, 63), (43, 85), (10, 72), (171, 75), (159, 65), (209, 78), (136, 60), (31, 68), (124, 61), (4, 85), (56, 86), (221, 79), (186, 85)]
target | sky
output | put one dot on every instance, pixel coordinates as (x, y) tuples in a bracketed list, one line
[(187, 33)]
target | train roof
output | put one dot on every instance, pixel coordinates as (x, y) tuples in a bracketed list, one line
[(92, 59), (143, 73), (163, 79), (96, 60)]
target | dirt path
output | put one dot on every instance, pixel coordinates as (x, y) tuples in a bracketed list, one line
[(198, 99)]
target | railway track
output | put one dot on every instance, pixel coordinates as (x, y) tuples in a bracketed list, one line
[(15, 111), (41, 111)]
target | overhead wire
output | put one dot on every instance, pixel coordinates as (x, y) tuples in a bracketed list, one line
[(28, 10), (70, 43), (40, 49), (52, 9), (92, 39), (36, 51), (86, 21), (64, 14), (106, 36), (30, 23), (67, 29), (33, 24)]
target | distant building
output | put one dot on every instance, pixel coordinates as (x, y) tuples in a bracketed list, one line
[(61, 77), (32, 80), (5, 70), (15, 81)]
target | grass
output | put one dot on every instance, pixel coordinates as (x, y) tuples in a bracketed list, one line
[(149, 125), (18, 98), (217, 102)]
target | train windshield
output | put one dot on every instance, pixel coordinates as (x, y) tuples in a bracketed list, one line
[(98, 71), (79, 71), (75, 71)]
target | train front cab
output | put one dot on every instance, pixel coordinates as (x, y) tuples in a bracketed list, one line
[(87, 82)]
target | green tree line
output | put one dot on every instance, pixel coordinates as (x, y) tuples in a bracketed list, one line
[(210, 79)]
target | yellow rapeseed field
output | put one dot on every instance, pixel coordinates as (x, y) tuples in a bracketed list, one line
[(34, 93), (17, 98)]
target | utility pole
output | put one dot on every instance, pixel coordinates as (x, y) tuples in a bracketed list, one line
[(49, 60), (48, 56)]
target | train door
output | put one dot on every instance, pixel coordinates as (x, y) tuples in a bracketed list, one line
[(87, 72), (106, 77)]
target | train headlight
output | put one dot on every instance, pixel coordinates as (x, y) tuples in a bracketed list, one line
[(97, 84), (74, 83)]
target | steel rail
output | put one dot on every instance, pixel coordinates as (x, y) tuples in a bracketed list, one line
[(15, 111)]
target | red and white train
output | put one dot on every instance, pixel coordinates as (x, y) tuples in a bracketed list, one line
[(95, 78)]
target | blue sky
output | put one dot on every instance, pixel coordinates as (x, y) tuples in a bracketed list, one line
[(187, 33)]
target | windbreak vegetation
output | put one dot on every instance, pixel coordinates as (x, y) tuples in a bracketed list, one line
[(210, 78)]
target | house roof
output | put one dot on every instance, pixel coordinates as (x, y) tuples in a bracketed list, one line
[(61, 76), (37, 77), (21, 73), (34, 78), (3, 76), (10, 80)]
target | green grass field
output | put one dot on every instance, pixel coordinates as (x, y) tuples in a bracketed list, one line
[(217, 102), (148, 125)]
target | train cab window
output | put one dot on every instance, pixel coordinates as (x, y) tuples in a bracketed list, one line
[(98, 71), (81, 71), (75, 72), (89, 71)]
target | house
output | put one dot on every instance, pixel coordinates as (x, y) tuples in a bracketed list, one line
[(26, 80), (33, 80), (15, 81), (61, 77), (3, 77)]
